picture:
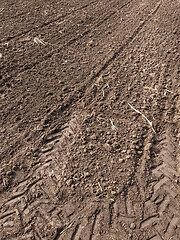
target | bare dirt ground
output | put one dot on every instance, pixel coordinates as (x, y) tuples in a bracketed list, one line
[(90, 120)]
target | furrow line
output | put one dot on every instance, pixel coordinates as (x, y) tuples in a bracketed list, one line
[(22, 68), (94, 223), (126, 43), (46, 23)]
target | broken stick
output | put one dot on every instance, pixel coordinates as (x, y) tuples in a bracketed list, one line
[(150, 123)]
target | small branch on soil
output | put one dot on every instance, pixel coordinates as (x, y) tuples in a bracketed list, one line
[(68, 225), (166, 90), (51, 174), (100, 186), (150, 123), (150, 88), (112, 125), (103, 92), (4, 183), (37, 41)]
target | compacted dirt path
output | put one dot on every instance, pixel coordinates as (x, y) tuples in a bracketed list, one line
[(90, 120)]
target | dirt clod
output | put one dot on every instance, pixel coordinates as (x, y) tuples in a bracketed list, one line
[(107, 147)]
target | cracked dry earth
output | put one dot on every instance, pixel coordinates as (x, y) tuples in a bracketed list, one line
[(90, 120)]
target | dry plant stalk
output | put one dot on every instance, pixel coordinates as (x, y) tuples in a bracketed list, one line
[(150, 88), (68, 226), (37, 41), (100, 186), (103, 92), (166, 90), (112, 125), (150, 123)]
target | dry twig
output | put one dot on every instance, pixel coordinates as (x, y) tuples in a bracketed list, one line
[(112, 125), (100, 186), (103, 92), (37, 41), (150, 88), (68, 225), (166, 90), (150, 123)]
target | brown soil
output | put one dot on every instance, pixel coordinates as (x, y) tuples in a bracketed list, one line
[(90, 120)]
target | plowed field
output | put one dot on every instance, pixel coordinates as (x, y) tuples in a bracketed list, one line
[(90, 120)]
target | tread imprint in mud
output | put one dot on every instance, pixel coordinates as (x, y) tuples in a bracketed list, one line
[(35, 198), (165, 199)]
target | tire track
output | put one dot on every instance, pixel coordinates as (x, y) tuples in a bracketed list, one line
[(53, 20), (117, 53), (4, 41), (47, 23), (15, 16), (75, 232), (23, 68), (94, 223), (34, 199), (165, 195)]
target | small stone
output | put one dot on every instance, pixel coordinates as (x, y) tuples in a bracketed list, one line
[(116, 145), (69, 209), (88, 130), (152, 75), (9, 173), (113, 192), (72, 187), (92, 153), (107, 146), (93, 137), (90, 43), (133, 226), (0, 55), (86, 174), (121, 160), (98, 192), (148, 157), (124, 151), (130, 235), (132, 146), (9, 224), (148, 147), (69, 182), (26, 211)]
